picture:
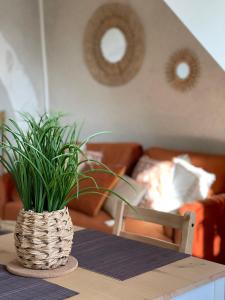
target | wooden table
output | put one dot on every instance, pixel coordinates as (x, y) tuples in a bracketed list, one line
[(189, 278)]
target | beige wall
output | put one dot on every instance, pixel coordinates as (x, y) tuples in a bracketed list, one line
[(147, 109), (21, 81)]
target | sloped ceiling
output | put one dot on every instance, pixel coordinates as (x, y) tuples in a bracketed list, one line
[(206, 21)]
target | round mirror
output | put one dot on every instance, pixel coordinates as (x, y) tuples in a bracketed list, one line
[(113, 45), (183, 70)]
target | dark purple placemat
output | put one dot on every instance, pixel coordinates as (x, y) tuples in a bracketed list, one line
[(2, 231), (21, 288), (117, 257)]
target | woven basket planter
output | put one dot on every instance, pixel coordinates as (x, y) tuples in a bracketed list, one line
[(43, 240)]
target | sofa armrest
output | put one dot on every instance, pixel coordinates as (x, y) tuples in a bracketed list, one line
[(8, 192), (206, 209), (209, 233), (4, 195)]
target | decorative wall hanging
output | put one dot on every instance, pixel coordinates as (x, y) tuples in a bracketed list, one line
[(114, 44), (183, 70)]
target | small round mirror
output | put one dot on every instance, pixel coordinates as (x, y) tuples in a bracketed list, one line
[(183, 70), (113, 45)]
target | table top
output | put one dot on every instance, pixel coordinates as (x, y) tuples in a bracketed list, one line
[(162, 283)]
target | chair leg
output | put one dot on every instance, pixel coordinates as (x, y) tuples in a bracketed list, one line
[(187, 233), (119, 220)]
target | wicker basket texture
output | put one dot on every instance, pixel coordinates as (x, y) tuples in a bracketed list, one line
[(43, 240)]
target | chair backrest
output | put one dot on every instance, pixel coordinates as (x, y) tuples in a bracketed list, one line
[(184, 223)]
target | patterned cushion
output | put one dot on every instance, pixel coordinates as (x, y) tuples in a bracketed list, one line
[(89, 154), (94, 155), (157, 176)]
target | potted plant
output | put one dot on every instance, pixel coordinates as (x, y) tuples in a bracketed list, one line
[(45, 162)]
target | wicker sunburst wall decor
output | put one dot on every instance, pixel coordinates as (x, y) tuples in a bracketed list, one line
[(189, 60), (123, 18)]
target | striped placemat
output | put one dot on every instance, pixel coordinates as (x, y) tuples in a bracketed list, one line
[(21, 288), (117, 257)]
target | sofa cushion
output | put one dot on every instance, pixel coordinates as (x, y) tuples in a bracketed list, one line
[(10, 187), (8, 192), (3, 196), (90, 155), (11, 210), (121, 154), (211, 163), (132, 195), (157, 177), (190, 182), (92, 203), (9, 184)]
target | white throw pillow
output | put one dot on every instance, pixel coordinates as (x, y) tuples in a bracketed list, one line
[(189, 183), (157, 176), (134, 197)]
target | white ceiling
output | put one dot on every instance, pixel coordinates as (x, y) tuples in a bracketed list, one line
[(206, 21)]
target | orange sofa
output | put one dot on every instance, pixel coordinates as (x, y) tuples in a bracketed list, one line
[(209, 240)]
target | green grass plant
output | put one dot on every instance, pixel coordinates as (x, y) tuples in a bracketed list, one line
[(45, 162)]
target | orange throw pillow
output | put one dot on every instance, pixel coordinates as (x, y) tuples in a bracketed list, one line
[(91, 204)]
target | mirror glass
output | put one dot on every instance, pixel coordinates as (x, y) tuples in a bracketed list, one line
[(183, 70), (113, 45)]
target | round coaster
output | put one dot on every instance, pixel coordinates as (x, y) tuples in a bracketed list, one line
[(16, 268)]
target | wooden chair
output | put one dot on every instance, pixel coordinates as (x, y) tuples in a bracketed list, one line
[(185, 223)]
